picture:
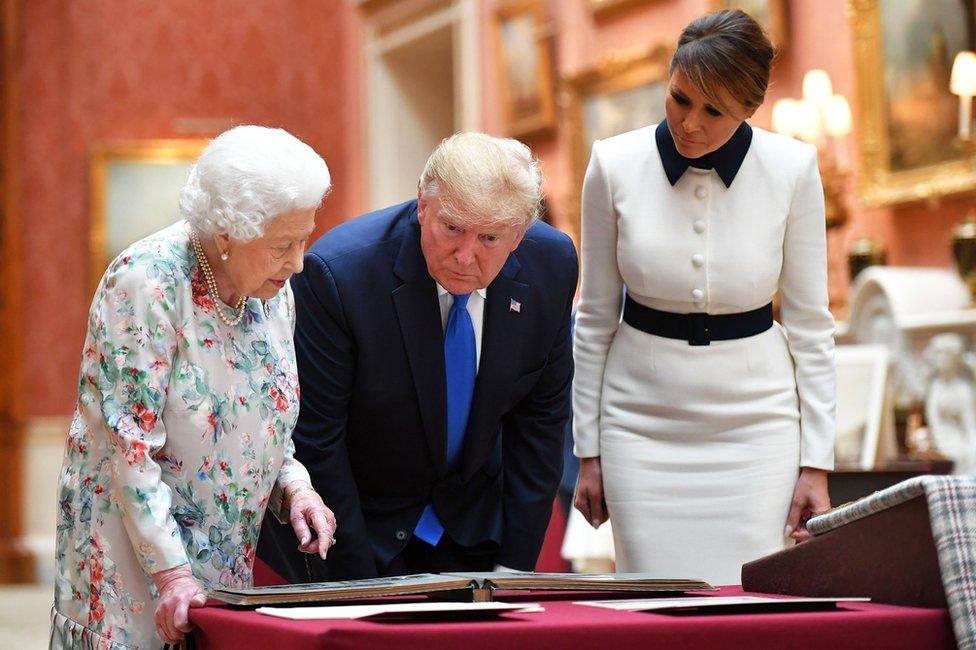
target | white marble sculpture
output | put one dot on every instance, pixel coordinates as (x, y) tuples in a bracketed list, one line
[(903, 309), (950, 405)]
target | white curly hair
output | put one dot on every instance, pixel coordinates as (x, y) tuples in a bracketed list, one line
[(249, 175)]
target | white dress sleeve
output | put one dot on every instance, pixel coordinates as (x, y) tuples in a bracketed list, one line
[(598, 313), (807, 319)]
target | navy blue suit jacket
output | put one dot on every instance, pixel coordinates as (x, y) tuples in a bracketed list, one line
[(372, 428)]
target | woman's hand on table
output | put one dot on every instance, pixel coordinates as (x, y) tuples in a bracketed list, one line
[(306, 510), (178, 592), (589, 492), (810, 498)]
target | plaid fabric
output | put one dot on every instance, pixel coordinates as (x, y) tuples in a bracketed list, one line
[(952, 511)]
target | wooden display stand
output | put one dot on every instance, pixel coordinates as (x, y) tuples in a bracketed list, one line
[(889, 555)]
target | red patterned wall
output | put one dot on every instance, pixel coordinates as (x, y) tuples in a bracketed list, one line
[(128, 69)]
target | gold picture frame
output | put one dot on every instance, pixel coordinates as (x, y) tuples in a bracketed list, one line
[(621, 93), (773, 15), (524, 68), (135, 188), (603, 8), (909, 150)]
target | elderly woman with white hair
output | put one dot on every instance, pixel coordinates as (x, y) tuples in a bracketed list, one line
[(188, 395)]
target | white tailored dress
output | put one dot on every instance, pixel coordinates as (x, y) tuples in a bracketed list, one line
[(701, 446)]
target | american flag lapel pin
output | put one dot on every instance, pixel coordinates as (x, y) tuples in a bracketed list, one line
[(515, 305)]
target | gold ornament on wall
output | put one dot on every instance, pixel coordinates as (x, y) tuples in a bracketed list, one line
[(862, 253), (964, 251), (822, 118), (604, 8)]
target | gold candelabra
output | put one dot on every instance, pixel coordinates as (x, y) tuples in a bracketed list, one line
[(822, 118)]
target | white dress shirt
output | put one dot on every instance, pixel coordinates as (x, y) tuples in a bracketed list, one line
[(476, 309)]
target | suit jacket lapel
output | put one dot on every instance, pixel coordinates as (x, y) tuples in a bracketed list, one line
[(418, 312), (501, 346)]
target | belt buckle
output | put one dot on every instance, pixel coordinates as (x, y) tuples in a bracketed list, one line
[(698, 330)]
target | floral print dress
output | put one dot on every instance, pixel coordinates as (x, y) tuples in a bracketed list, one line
[(180, 441)]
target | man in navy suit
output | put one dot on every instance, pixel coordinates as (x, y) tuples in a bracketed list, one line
[(434, 353)]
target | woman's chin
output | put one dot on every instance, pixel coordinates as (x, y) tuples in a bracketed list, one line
[(267, 291), (689, 151)]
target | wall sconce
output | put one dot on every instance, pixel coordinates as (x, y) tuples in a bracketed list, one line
[(822, 118), (963, 83)]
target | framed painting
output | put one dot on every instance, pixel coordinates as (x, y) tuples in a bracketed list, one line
[(773, 15), (622, 93), (908, 118), (524, 68), (135, 190)]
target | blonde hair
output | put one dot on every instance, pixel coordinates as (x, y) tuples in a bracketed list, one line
[(726, 49), (485, 181), (249, 175)]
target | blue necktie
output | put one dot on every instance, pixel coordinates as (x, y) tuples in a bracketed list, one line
[(461, 369)]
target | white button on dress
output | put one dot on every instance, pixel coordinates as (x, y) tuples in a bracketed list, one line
[(698, 260), (701, 192), (699, 226), (698, 295)]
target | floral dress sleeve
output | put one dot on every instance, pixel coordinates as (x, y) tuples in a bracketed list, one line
[(291, 469), (134, 339)]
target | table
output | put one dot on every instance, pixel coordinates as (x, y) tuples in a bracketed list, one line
[(563, 625)]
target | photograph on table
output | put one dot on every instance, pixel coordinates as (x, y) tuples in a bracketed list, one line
[(904, 51), (622, 93), (773, 15), (524, 68), (135, 190), (862, 380)]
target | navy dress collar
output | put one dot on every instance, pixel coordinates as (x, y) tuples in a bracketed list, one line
[(726, 160)]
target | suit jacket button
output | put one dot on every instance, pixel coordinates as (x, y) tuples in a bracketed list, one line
[(401, 535)]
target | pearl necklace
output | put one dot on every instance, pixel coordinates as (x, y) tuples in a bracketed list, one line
[(212, 287)]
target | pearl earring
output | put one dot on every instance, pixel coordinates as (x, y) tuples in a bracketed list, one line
[(224, 256)]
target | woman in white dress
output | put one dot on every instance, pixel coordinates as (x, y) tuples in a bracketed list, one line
[(704, 428), (188, 395)]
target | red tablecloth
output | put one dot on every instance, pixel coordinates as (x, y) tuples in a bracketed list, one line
[(563, 625)]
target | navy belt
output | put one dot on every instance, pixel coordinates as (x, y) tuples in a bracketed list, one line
[(700, 328)]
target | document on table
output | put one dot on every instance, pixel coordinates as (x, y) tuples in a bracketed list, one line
[(400, 610), (721, 603)]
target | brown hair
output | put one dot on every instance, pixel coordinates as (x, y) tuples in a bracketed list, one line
[(726, 49)]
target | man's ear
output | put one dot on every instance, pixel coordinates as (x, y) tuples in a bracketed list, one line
[(421, 207)]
